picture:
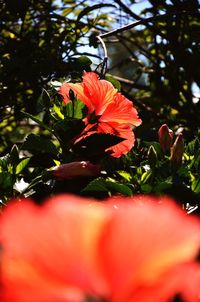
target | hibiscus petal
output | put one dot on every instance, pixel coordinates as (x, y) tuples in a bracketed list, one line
[(100, 93), (94, 93), (123, 131), (78, 90), (121, 111)]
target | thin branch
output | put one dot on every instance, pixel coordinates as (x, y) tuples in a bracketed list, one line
[(130, 82), (103, 45), (105, 60), (85, 53), (127, 10), (145, 22)]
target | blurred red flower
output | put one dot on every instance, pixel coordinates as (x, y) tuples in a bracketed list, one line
[(50, 252), (126, 249), (108, 110)]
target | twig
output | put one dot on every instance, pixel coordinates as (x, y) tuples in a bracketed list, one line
[(144, 22), (128, 10), (130, 82), (104, 46), (105, 60)]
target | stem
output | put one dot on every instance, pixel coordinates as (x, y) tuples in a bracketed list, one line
[(105, 60)]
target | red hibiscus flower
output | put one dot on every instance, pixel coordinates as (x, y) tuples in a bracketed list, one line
[(108, 110), (127, 249)]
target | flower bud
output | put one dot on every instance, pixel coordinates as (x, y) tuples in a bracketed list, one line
[(165, 136), (177, 151), (75, 170), (152, 156)]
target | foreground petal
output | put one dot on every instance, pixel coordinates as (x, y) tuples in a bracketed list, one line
[(126, 249), (183, 280), (51, 250), (144, 242)]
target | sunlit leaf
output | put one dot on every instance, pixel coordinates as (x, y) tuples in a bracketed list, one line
[(127, 176), (115, 82), (196, 185), (23, 163), (108, 185)]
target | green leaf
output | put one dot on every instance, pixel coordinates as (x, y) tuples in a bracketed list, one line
[(196, 185), (145, 188), (4, 161), (37, 120), (6, 180), (145, 176), (127, 176), (57, 110), (139, 171), (23, 163), (108, 185), (112, 80), (14, 155), (83, 62), (119, 188), (96, 185), (45, 99), (78, 109), (74, 109), (38, 144), (68, 128), (163, 185), (155, 145)]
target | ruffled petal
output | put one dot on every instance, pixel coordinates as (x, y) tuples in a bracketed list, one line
[(121, 111), (76, 88), (100, 93), (94, 93)]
